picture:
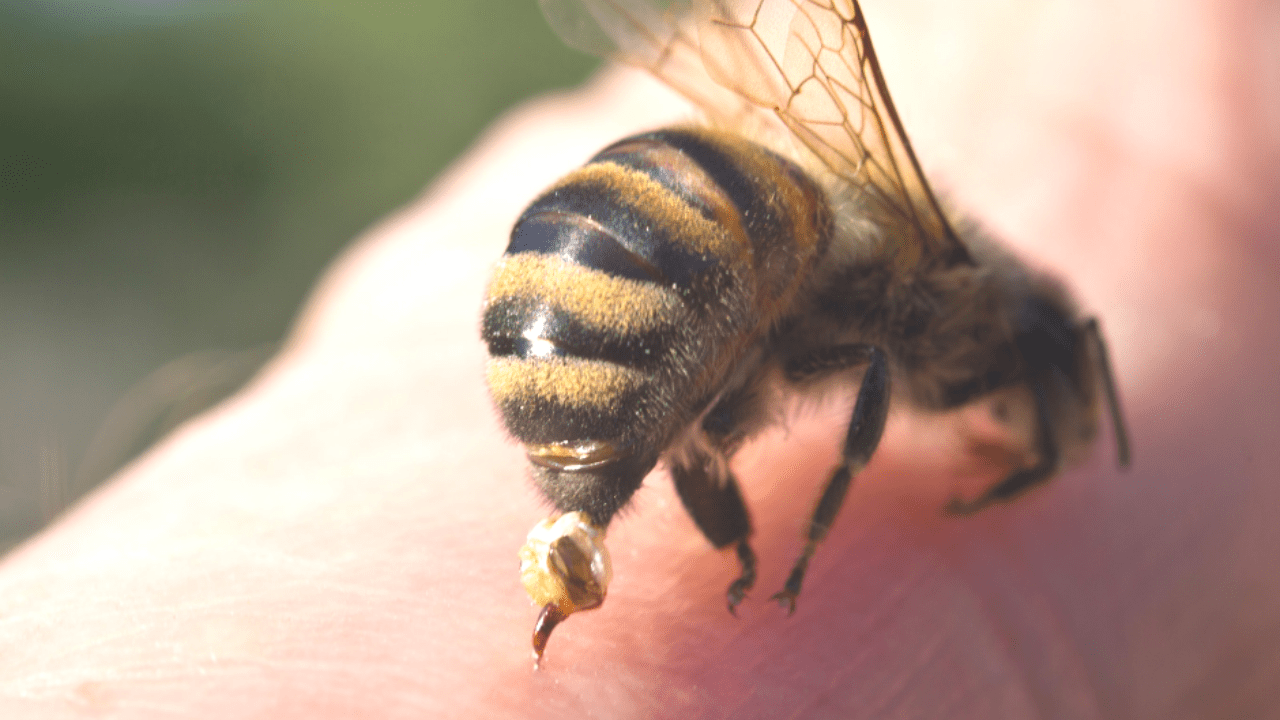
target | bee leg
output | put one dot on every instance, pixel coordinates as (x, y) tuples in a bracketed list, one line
[(865, 428), (1103, 361), (710, 494), (1021, 480)]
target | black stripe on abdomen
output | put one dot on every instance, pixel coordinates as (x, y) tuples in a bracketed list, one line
[(721, 164), (581, 241), (531, 328), (598, 218)]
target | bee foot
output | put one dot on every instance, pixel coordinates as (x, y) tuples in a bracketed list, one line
[(787, 599)]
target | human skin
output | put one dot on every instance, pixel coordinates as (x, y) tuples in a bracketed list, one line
[(339, 539)]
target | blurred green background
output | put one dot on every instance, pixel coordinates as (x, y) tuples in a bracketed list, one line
[(175, 174)]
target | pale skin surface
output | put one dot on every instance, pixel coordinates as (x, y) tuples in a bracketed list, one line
[(340, 539)]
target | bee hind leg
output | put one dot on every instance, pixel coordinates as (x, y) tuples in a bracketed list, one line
[(865, 429), (710, 493)]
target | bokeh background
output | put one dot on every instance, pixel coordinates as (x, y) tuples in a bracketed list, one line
[(175, 174)]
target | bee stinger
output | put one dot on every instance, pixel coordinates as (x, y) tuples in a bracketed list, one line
[(652, 303)]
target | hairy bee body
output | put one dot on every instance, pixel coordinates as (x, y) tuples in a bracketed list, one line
[(670, 271), (655, 303), (631, 290)]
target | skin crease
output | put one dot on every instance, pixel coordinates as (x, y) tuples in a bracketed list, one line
[(339, 540)]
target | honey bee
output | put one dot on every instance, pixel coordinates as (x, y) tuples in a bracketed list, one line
[(653, 305)]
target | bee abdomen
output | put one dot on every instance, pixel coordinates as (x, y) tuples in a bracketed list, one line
[(629, 285)]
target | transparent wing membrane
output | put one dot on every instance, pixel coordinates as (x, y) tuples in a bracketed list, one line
[(807, 64)]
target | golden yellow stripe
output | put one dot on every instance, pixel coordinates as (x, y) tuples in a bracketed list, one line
[(786, 198), (573, 382), (595, 298)]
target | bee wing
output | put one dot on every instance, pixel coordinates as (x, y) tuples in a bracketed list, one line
[(808, 64), (658, 36)]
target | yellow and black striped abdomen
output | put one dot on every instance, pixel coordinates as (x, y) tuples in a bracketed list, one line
[(630, 287)]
